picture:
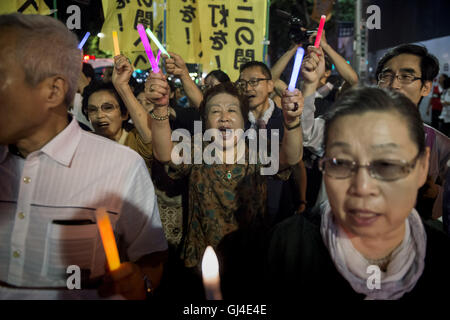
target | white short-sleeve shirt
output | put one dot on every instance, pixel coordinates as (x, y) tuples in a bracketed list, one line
[(48, 202)]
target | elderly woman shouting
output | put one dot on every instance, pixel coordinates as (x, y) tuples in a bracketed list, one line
[(224, 195), (370, 242)]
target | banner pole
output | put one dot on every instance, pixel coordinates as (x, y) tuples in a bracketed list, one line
[(266, 36), (55, 14)]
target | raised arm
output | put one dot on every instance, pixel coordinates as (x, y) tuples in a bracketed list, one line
[(157, 91), (281, 63), (291, 147), (176, 66), (312, 69), (343, 68), (120, 78)]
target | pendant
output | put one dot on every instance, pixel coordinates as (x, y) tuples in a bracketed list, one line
[(228, 175)]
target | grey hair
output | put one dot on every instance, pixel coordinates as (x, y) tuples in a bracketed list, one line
[(45, 48)]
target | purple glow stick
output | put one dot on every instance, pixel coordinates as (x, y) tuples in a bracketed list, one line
[(148, 48), (82, 42), (296, 69)]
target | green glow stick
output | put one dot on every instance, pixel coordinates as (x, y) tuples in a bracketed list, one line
[(156, 41)]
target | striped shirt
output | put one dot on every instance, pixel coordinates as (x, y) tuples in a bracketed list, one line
[(48, 202)]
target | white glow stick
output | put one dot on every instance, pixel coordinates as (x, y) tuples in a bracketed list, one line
[(297, 63)]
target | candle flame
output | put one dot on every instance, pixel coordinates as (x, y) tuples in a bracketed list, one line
[(210, 264)]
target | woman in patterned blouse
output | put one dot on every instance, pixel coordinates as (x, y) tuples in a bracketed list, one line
[(226, 195)]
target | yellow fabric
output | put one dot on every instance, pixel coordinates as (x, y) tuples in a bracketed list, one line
[(134, 141), (243, 27), (123, 17), (183, 29), (11, 6)]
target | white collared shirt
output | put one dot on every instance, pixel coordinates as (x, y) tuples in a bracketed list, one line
[(67, 179)]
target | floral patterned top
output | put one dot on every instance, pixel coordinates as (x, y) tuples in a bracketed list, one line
[(222, 197)]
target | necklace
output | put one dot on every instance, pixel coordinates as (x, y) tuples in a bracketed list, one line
[(382, 262), (228, 175)]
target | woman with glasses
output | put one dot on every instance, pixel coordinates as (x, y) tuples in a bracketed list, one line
[(369, 242)]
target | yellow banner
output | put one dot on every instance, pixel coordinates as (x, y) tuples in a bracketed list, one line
[(232, 33), (183, 29), (123, 17), (24, 6)]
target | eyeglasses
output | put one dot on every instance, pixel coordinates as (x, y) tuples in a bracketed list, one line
[(386, 78), (383, 169), (106, 108), (253, 82)]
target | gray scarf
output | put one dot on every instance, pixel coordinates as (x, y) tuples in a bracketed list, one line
[(404, 269)]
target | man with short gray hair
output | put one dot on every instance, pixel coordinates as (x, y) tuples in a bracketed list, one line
[(53, 176)]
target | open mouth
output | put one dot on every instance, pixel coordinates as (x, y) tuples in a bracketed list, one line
[(227, 133), (363, 217), (102, 124)]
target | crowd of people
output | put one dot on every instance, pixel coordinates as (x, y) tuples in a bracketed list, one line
[(301, 193)]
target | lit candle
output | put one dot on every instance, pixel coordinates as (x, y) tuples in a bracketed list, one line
[(319, 31), (82, 42), (108, 240), (116, 43), (297, 63), (148, 48), (156, 41), (210, 272)]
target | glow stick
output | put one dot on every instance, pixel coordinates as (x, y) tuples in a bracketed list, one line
[(158, 56), (297, 63), (148, 48), (108, 240), (156, 41), (116, 43), (319, 31), (82, 42)]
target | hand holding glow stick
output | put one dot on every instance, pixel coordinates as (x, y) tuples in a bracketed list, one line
[(108, 240), (319, 31), (156, 41), (148, 48), (210, 273), (116, 43), (295, 71), (82, 42)]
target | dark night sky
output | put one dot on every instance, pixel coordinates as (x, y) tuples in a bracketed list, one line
[(91, 14), (410, 21)]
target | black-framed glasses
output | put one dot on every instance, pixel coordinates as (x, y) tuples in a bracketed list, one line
[(383, 169), (386, 78), (105, 107), (253, 82)]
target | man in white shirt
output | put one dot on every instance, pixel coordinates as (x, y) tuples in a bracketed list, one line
[(53, 176)]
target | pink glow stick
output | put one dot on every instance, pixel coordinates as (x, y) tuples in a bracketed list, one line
[(319, 31), (148, 48), (158, 56)]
